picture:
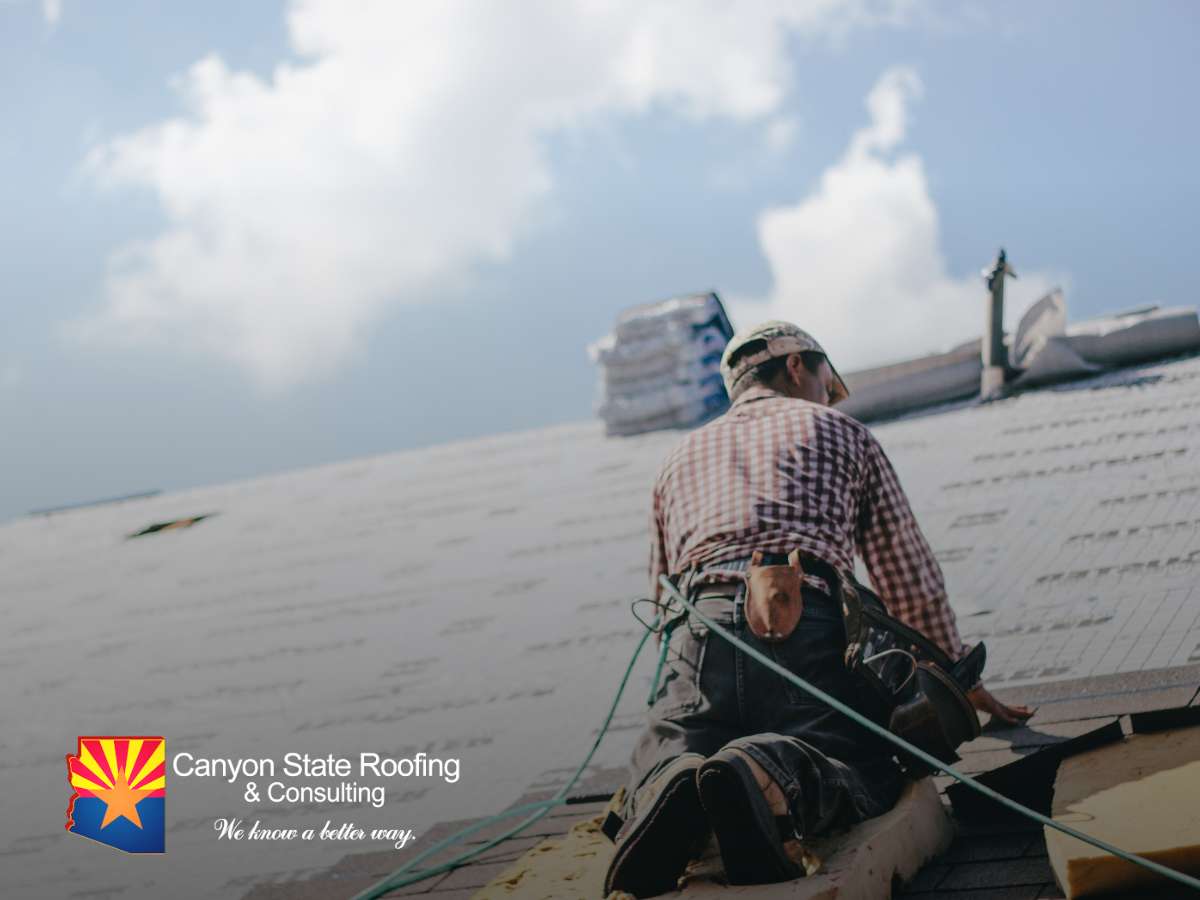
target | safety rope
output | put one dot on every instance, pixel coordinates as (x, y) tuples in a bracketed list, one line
[(409, 874)]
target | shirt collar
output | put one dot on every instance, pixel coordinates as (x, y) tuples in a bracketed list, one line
[(757, 392)]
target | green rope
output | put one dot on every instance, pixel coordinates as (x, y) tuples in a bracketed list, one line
[(408, 873), (983, 789)]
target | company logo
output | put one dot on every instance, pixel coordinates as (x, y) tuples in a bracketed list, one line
[(119, 791)]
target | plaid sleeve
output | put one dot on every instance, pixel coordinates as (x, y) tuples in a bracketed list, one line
[(900, 562)]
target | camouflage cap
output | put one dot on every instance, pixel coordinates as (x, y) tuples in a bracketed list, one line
[(782, 339)]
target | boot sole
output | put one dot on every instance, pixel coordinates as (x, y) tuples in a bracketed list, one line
[(751, 850), (650, 861)]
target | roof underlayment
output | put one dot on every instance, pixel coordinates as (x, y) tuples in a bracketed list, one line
[(472, 600), (1043, 350)]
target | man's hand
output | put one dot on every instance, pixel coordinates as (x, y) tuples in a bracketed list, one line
[(983, 701)]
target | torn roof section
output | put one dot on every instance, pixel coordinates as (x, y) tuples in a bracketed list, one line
[(1044, 350)]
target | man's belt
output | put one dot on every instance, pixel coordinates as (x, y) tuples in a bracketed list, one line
[(720, 589), (812, 566)]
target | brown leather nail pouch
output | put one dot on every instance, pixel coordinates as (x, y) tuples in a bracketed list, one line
[(773, 600)]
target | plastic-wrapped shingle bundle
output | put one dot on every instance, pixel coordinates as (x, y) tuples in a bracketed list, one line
[(660, 366)]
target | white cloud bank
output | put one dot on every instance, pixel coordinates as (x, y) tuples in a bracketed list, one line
[(404, 148), (858, 262)]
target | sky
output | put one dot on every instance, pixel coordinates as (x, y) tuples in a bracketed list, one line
[(245, 237)]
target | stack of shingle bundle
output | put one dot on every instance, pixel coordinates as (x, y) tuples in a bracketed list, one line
[(660, 366)]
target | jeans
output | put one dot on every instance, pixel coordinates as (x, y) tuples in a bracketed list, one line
[(832, 771)]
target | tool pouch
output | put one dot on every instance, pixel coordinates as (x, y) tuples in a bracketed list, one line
[(774, 602), (922, 687)]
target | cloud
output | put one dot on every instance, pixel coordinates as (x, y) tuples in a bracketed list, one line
[(52, 11), (405, 147), (858, 261)]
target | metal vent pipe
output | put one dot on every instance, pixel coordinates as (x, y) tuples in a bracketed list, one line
[(995, 354)]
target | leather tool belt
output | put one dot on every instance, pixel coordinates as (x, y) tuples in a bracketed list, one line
[(925, 690)]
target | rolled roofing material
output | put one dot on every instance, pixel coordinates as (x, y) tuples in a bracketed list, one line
[(1043, 350), (890, 390), (1047, 351), (1053, 359), (1135, 337), (1046, 318)]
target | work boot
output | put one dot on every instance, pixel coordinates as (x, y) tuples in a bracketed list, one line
[(666, 825), (749, 815)]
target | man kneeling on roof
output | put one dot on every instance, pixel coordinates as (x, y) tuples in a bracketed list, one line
[(731, 748)]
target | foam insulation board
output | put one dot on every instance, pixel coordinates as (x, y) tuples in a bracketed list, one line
[(1142, 795)]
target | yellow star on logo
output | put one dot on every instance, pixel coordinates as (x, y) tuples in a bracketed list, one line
[(122, 800)]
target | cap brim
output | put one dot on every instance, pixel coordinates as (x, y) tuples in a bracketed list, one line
[(840, 392)]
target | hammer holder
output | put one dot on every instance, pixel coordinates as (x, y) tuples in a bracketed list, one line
[(773, 600)]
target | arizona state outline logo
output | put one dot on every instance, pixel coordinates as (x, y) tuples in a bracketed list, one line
[(119, 791)]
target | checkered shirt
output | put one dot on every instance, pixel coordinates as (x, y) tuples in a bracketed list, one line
[(775, 474)]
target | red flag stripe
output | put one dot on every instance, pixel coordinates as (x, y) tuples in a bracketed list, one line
[(148, 747), (101, 760), (157, 772), (122, 752), (80, 769)]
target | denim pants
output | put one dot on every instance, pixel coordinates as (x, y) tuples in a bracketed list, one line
[(832, 771)]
